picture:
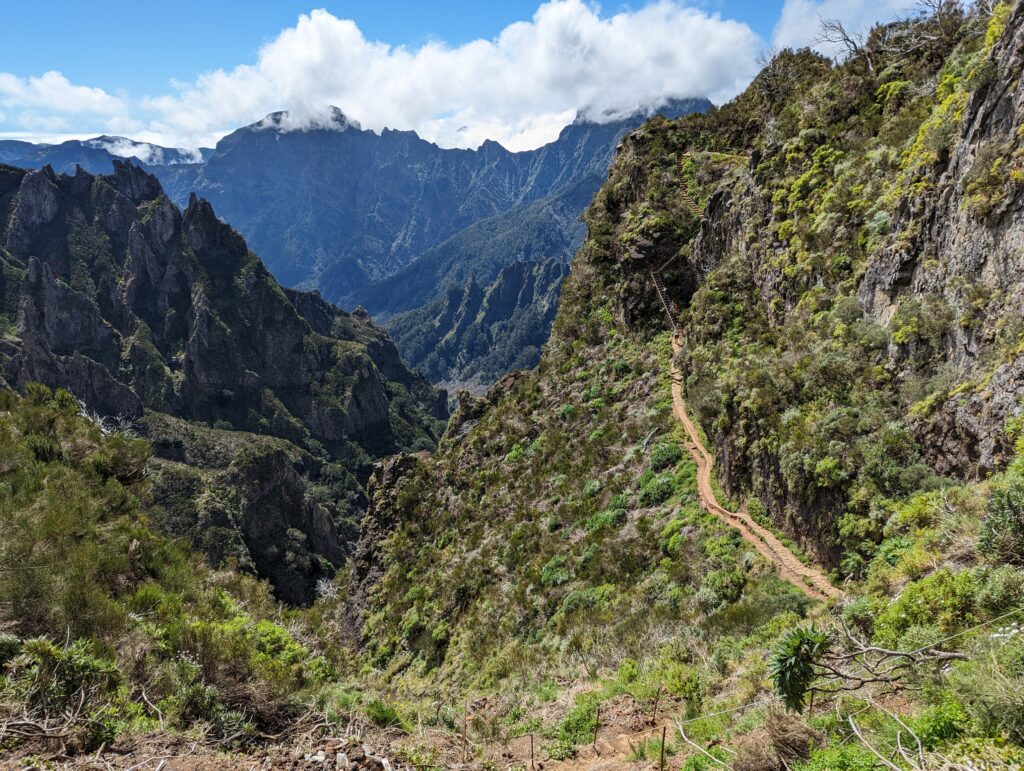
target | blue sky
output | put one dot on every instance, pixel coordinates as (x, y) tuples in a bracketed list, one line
[(186, 73)]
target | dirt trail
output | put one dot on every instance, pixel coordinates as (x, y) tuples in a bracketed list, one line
[(811, 581)]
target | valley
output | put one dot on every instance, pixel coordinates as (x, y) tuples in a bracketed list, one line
[(692, 440)]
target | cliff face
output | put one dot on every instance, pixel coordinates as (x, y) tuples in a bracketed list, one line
[(339, 208), (964, 248), (387, 221), (136, 307), (472, 335)]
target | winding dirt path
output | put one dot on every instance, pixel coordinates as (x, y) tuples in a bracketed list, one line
[(811, 581)]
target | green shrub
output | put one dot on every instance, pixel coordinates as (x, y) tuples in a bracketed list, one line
[(991, 683), (656, 490), (795, 662), (577, 727), (1002, 531), (944, 600), (846, 757), (555, 572), (665, 453), (941, 723), (719, 588), (605, 520), (54, 681), (384, 714), (1001, 589)]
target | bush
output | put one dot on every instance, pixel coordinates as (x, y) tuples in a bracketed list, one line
[(1000, 590), (656, 490), (991, 683), (940, 724), (794, 666), (555, 572), (605, 520), (944, 599), (719, 588), (1002, 531), (847, 757), (384, 714), (58, 683), (577, 727), (664, 454)]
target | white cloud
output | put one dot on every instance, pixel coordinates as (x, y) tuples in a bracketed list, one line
[(55, 93), (800, 22), (517, 88)]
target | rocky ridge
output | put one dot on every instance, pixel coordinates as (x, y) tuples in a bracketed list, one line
[(143, 310)]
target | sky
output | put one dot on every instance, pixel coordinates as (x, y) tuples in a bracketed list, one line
[(457, 72)]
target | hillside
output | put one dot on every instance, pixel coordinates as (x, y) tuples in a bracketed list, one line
[(338, 208), (848, 349), (759, 507), (474, 335), (266, 407)]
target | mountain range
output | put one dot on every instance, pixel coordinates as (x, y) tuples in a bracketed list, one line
[(760, 505), (253, 396), (384, 220)]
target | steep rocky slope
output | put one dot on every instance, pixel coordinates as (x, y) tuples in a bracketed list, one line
[(97, 155), (473, 335), (338, 208), (150, 314), (852, 329), (387, 221)]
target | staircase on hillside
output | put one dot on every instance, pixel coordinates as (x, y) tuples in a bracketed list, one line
[(659, 286), (691, 204)]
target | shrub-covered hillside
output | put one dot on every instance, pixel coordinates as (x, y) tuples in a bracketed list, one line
[(842, 244), (267, 407), (849, 346), (852, 330), (108, 627)]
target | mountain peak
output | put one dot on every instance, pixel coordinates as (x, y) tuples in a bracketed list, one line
[(670, 108), (284, 121)]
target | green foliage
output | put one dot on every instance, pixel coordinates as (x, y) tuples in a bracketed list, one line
[(664, 454), (555, 572), (849, 757), (139, 610), (385, 715), (941, 724), (944, 600), (794, 664), (606, 519), (1002, 531), (55, 681), (656, 489), (577, 727)]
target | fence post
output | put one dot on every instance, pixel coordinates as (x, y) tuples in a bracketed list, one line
[(597, 725), (532, 767), (662, 764), (654, 715)]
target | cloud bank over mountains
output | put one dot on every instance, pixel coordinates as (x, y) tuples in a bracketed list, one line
[(519, 88)]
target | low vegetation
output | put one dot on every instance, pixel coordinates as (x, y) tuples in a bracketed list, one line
[(547, 577)]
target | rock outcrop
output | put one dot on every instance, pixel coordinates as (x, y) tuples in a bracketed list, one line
[(472, 335), (137, 307)]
